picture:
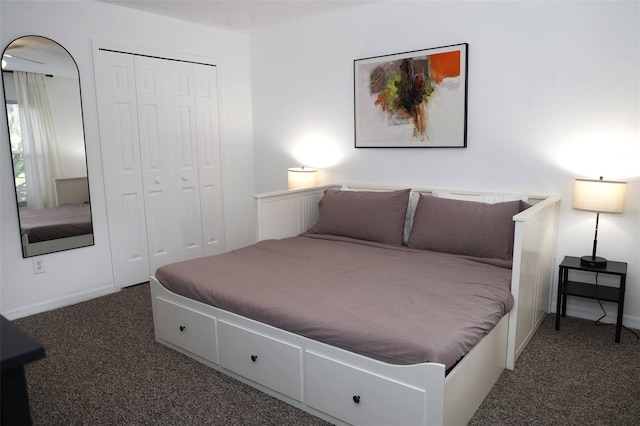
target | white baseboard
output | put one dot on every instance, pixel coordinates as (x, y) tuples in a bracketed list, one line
[(61, 302), (590, 310)]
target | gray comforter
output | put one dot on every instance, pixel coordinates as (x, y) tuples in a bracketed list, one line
[(394, 304), (68, 220)]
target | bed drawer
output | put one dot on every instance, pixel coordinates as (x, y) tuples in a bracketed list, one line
[(272, 363), (190, 330), (360, 397)]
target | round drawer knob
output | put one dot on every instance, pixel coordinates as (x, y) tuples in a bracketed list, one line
[(185, 178), (356, 399), (182, 328), (254, 358), (158, 181)]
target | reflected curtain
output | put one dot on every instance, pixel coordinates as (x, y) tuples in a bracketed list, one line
[(40, 144)]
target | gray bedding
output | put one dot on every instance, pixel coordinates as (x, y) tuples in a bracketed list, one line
[(68, 220), (394, 304)]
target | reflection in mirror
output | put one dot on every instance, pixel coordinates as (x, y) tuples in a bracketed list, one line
[(44, 110)]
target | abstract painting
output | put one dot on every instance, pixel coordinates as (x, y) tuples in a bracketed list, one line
[(414, 99)]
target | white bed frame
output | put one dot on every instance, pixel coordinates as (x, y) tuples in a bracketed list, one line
[(59, 244), (67, 190), (346, 388)]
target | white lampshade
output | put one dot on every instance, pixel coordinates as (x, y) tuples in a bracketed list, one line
[(302, 177), (602, 196)]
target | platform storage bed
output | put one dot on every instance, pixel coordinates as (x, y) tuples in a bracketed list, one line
[(369, 306), (55, 228), (67, 225)]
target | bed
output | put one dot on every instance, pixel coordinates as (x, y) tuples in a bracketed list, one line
[(353, 359), (65, 226), (55, 227)]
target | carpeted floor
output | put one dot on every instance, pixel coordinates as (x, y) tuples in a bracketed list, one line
[(103, 367)]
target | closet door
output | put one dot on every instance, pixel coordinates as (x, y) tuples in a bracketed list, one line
[(178, 168), (210, 167), (183, 148), (169, 160), (119, 135)]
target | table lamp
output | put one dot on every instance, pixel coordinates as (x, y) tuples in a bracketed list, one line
[(301, 177), (600, 196)]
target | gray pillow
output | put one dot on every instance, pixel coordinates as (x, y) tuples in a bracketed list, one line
[(366, 215), (464, 227)]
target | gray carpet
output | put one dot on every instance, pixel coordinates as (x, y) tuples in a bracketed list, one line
[(103, 367)]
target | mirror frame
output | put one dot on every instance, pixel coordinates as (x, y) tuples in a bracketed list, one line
[(80, 212)]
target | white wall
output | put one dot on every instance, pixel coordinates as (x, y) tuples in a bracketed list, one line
[(84, 273), (65, 95), (554, 94)]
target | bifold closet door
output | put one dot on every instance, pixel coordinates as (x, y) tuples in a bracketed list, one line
[(121, 163), (209, 158), (166, 111), (179, 163)]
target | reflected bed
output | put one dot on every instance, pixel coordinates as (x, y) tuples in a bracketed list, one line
[(55, 229)]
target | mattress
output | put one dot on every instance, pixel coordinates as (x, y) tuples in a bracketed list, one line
[(68, 220), (390, 303)]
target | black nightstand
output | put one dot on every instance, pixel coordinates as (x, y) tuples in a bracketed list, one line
[(590, 290), (17, 348)]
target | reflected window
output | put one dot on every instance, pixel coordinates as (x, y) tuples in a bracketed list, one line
[(17, 152)]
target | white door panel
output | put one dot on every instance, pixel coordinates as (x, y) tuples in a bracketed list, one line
[(117, 107), (154, 106), (210, 168), (161, 147), (185, 168)]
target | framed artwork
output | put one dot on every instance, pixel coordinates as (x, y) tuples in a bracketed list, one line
[(414, 99)]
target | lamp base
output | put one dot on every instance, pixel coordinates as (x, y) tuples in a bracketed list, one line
[(593, 261)]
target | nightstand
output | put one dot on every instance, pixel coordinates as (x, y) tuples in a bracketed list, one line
[(591, 290), (16, 350)]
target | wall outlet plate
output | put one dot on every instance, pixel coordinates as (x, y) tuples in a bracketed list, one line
[(38, 266)]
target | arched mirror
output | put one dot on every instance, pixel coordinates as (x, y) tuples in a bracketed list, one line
[(41, 87)]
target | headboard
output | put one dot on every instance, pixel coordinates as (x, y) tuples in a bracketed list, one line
[(71, 190)]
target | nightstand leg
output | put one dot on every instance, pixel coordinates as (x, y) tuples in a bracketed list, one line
[(559, 300), (618, 326), (620, 307), (565, 278)]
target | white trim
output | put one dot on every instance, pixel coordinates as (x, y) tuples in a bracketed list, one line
[(60, 302)]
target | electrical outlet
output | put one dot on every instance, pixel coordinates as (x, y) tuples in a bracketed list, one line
[(38, 266)]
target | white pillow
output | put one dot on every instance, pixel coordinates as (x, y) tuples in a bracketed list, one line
[(414, 196), (483, 198)]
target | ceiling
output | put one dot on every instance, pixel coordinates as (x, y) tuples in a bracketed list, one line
[(38, 55), (238, 15)]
